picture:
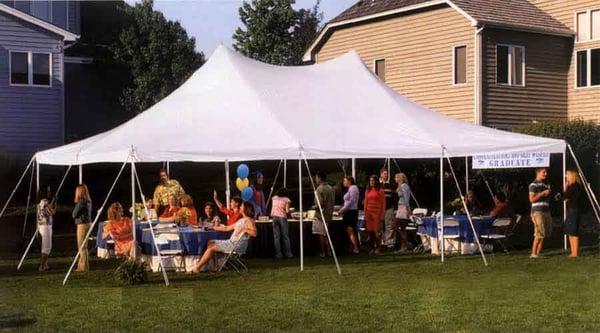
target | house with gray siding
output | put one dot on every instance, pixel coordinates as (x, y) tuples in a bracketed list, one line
[(33, 37)]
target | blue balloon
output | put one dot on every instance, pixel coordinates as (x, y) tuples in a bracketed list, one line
[(247, 194), (243, 171)]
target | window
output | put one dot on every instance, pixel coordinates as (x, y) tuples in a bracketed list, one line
[(380, 69), (59, 13), (459, 61), (42, 9), (23, 5), (588, 68), (587, 24), (510, 65), (19, 68), (30, 69)]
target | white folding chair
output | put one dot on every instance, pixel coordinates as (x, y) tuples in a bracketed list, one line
[(234, 258), (169, 255), (424, 237), (500, 229), (451, 222)]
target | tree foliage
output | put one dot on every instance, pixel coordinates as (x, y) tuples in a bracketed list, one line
[(274, 32), (158, 54)]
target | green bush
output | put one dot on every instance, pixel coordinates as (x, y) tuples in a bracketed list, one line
[(132, 272)]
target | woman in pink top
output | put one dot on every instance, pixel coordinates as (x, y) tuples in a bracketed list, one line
[(279, 213)]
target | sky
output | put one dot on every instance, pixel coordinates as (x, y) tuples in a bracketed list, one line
[(213, 22)]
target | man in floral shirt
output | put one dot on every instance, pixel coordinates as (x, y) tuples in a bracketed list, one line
[(164, 190)]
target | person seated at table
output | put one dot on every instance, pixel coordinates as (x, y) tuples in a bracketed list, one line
[(501, 208), (210, 219), (233, 214), (169, 214), (244, 228), (120, 230), (472, 203), (151, 211), (187, 214)]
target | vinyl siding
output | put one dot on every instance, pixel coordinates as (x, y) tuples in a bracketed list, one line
[(31, 118), (582, 102), (544, 96), (417, 49)]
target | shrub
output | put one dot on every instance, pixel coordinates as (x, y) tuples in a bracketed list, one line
[(132, 272)]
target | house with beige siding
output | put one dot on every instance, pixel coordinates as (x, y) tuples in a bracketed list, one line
[(499, 63)]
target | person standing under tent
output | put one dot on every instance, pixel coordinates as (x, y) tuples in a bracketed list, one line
[(279, 212), (389, 189), (349, 211), (258, 195), (539, 197), (82, 215), (166, 188), (120, 230), (324, 195), (233, 214), (374, 211), (572, 194), (44, 214), (403, 212)]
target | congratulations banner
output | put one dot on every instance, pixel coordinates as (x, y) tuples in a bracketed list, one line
[(512, 160)]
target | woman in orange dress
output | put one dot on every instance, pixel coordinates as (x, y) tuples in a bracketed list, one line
[(187, 214), (120, 229), (169, 214), (374, 210)]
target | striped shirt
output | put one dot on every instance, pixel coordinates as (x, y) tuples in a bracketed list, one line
[(543, 203)]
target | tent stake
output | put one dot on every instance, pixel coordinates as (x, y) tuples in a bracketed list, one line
[(337, 264)]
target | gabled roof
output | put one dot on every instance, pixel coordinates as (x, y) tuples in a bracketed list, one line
[(519, 15), (67, 35)]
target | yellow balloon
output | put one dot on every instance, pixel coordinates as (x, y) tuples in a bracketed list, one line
[(242, 183)]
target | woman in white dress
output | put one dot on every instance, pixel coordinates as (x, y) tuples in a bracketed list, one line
[(243, 229)]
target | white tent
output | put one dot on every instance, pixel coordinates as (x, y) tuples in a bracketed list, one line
[(237, 109)]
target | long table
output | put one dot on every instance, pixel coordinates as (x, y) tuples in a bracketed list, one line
[(466, 237)]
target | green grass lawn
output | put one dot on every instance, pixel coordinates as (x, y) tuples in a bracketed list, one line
[(390, 292)]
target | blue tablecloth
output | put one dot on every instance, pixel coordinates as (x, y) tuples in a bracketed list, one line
[(482, 225), (101, 243), (191, 241)]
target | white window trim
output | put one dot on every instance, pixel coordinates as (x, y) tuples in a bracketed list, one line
[(588, 74), (588, 13), (511, 47), (29, 69), (375, 67), (454, 84)]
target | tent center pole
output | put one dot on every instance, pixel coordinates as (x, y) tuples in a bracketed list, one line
[(354, 169), (301, 214), (80, 174), (227, 185), (564, 176), (441, 233), (466, 174), (285, 173), (133, 212)]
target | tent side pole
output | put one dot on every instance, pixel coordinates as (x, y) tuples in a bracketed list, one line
[(285, 173), (441, 233), (273, 186), (55, 197), (227, 185), (301, 214), (17, 186), (98, 212), (354, 168), (469, 217), (586, 186), (466, 174), (133, 216), (80, 174), (26, 215), (337, 264), (564, 177)]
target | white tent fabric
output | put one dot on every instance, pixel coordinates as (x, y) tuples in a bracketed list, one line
[(235, 108)]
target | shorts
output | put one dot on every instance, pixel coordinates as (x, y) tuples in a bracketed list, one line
[(350, 218), (572, 222), (318, 227), (542, 222)]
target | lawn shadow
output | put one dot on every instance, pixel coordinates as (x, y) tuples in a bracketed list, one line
[(15, 321)]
